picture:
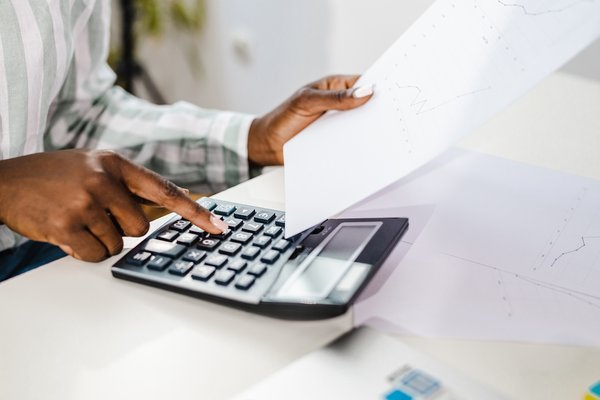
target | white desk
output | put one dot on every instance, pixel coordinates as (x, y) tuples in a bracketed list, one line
[(70, 330)]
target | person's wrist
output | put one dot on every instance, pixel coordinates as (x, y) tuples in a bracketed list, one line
[(260, 152), (3, 189)]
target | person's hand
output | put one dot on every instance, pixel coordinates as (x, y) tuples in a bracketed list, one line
[(269, 133), (82, 200)]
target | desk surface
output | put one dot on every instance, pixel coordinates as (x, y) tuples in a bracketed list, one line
[(71, 331)]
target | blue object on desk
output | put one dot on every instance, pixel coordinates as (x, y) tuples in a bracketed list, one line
[(397, 395), (422, 384), (413, 384)]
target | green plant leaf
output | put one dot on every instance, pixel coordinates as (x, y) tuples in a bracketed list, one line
[(188, 16), (150, 17)]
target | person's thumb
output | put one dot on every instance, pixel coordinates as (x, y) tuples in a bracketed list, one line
[(315, 101)]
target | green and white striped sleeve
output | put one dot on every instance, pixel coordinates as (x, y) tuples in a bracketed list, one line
[(201, 149), (205, 150)]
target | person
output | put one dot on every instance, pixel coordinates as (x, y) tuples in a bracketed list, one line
[(79, 154)]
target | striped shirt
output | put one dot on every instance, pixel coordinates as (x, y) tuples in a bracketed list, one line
[(57, 92)]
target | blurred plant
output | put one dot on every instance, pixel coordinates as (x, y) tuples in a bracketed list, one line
[(185, 15), (154, 16)]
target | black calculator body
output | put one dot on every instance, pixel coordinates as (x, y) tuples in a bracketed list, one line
[(313, 275)]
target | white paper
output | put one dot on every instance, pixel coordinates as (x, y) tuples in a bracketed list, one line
[(361, 365), (458, 65), (509, 252)]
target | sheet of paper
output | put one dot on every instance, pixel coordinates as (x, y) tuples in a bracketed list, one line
[(458, 65), (365, 364), (505, 251)]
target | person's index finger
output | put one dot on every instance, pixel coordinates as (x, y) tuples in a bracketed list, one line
[(153, 187), (316, 101), (334, 82)]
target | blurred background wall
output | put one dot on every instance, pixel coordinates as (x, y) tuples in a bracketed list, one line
[(253, 54)]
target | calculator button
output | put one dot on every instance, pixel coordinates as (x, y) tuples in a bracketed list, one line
[(237, 265), (233, 223), (187, 239), (216, 261), (198, 231), (264, 217), (159, 263), (280, 221), (208, 204), (262, 242), (140, 258), (250, 253), (273, 231), (257, 270), (244, 213), (230, 248), (194, 255), (245, 282), (208, 244), (282, 245), (169, 236), (164, 248), (224, 209), (270, 257), (219, 236), (181, 267), (252, 227), (241, 237), (224, 277), (203, 273), (181, 225)]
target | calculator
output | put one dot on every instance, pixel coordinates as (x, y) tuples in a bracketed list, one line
[(313, 275)]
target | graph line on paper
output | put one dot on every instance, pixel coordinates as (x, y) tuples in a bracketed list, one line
[(504, 294), (590, 300), (558, 234), (419, 103), (583, 244), (527, 10)]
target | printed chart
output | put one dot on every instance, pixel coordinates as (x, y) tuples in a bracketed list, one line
[(504, 255)]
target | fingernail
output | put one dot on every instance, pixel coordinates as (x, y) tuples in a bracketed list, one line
[(363, 91), (216, 221)]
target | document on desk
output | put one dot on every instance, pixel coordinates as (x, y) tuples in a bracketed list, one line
[(387, 369), (458, 65), (509, 251)]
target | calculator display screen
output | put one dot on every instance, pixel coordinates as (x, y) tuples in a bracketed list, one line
[(316, 278)]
